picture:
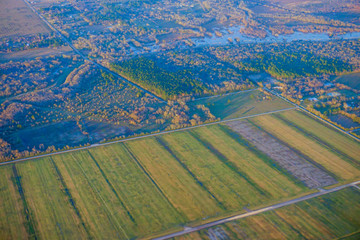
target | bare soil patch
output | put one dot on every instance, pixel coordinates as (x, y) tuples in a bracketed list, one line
[(297, 165)]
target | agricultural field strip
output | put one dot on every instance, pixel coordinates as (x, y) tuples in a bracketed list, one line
[(86, 58), (294, 162), (149, 135), (256, 212), (312, 114)]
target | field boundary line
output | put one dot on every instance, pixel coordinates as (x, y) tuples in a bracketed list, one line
[(144, 136), (256, 212)]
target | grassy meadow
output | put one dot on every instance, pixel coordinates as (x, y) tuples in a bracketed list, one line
[(241, 104)]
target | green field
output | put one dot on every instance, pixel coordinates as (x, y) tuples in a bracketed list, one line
[(241, 104), (332, 216), (352, 80), (146, 186)]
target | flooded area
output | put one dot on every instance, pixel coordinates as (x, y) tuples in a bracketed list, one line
[(232, 35)]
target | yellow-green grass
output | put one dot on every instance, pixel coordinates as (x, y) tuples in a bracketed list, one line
[(241, 104), (48, 204), (335, 215), (147, 205), (336, 159), (325, 133), (12, 215), (230, 185), (233, 191), (116, 198), (182, 190)]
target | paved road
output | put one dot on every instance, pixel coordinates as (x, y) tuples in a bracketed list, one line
[(258, 211), (307, 111), (85, 57), (144, 136)]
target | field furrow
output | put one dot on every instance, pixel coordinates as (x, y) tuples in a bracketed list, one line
[(226, 185), (182, 190), (49, 204), (149, 209)]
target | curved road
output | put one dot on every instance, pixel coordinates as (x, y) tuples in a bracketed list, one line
[(86, 58)]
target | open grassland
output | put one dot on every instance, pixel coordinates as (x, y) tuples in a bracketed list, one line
[(337, 153), (140, 187), (352, 80), (16, 18), (241, 104), (332, 216)]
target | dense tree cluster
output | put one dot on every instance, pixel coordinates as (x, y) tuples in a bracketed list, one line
[(162, 82), (289, 65)]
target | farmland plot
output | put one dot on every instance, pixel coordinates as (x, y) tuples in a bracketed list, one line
[(335, 215), (335, 152), (228, 178), (143, 187), (117, 198), (13, 222), (295, 163), (181, 187)]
